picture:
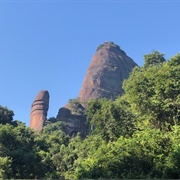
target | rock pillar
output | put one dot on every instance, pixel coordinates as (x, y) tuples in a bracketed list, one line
[(39, 110)]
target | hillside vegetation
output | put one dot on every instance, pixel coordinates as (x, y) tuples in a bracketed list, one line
[(136, 136)]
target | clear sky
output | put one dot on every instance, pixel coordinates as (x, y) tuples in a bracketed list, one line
[(49, 44)]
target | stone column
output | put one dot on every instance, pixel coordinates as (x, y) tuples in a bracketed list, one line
[(39, 110)]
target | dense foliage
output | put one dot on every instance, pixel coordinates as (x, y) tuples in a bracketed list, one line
[(135, 136)]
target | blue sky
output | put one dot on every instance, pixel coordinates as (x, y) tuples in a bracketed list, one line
[(49, 44)]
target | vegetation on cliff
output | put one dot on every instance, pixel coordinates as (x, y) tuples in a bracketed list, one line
[(107, 44), (135, 136)]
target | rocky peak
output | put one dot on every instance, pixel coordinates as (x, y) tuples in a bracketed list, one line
[(109, 67)]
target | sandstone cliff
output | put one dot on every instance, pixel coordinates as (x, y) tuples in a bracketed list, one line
[(39, 110), (109, 67)]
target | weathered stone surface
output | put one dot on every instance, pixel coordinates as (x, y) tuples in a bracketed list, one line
[(73, 114), (39, 110), (109, 67)]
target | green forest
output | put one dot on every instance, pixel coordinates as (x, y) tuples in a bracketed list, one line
[(135, 136)]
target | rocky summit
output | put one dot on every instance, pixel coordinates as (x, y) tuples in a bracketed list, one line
[(39, 110), (109, 67)]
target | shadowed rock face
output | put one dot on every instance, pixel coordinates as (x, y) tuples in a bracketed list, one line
[(39, 110), (73, 114), (106, 73)]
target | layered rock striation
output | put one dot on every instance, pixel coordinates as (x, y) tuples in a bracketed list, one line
[(39, 110), (109, 67)]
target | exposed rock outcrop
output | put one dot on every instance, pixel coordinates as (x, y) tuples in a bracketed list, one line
[(39, 110), (73, 114), (109, 67)]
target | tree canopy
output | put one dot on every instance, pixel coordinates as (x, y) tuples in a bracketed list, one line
[(135, 136)]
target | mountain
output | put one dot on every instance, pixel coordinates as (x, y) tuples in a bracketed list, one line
[(109, 67)]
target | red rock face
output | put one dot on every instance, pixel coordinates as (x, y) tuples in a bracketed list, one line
[(73, 115), (39, 110), (106, 73)]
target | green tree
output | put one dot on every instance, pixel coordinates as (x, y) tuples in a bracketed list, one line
[(64, 160), (153, 59), (19, 145), (110, 119), (172, 161), (141, 156), (153, 93), (5, 167), (6, 115)]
